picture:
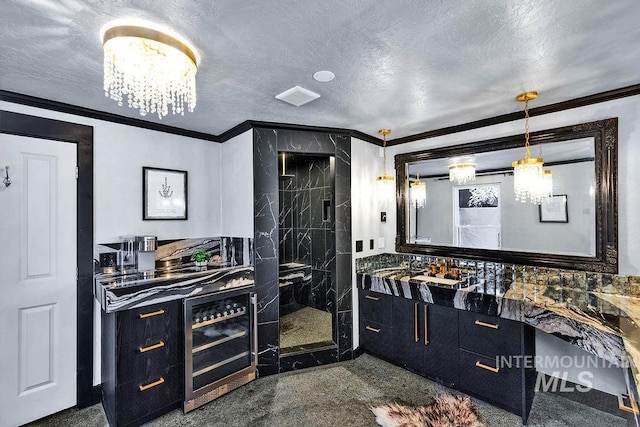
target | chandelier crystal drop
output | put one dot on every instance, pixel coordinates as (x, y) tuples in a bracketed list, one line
[(385, 183), (151, 70), (531, 183), (462, 173)]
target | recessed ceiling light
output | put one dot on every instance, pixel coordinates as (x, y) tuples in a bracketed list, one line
[(324, 76)]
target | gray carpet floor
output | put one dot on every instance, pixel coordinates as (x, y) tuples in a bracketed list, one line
[(341, 395)]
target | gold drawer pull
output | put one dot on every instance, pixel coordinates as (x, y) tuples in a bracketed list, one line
[(415, 322), (153, 313), (488, 368), (151, 347), (426, 326), (153, 384), (634, 406), (371, 298), (486, 325), (369, 328)]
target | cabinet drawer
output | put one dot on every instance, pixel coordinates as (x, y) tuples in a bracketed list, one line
[(153, 361), (376, 338), (139, 324), (136, 403), (375, 306), (489, 335), (481, 376)]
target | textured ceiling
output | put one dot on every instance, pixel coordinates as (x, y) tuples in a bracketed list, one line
[(411, 66)]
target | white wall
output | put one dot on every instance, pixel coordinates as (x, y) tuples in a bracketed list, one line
[(365, 213), (120, 152), (628, 112), (236, 206)]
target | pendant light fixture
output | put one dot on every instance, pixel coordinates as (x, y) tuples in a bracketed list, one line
[(531, 183), (462, 173), (385, 183), (149, 68), (417, 193)]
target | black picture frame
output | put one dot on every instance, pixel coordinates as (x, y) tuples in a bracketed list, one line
[(164, 194), (554, 210)]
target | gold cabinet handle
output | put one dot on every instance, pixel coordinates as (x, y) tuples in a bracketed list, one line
[(426, 327), (151, 347), (150, 385), (486, 325), (415, 323), (153, 313), (487, 367), (371, 298), (369, 328), (634, 406)]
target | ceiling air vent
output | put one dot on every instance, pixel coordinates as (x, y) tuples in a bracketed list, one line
[(297, 96)]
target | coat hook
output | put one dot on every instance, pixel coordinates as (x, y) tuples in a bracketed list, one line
[(6, 181)]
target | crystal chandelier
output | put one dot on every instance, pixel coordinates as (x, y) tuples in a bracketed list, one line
[(531, 183), (385, 183), (462, 173), (417, 193), (154, 70)]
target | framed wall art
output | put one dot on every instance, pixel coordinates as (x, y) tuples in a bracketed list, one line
[(164, 194), (555, 209)]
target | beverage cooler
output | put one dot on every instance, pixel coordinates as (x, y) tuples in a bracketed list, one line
[(220, 344)]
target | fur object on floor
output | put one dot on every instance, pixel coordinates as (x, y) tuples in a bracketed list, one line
[(447, 411)]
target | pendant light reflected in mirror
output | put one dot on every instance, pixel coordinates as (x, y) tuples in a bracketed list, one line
[(417, 193)]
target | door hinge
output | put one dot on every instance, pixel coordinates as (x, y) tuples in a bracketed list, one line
[(76, 172)]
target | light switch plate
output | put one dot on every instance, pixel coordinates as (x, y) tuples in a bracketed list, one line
[(380, 242), (383, 217), (371, 244), (358, 245)]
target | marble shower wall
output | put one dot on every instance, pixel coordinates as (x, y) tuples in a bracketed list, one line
[(306, 201), (267, 144)]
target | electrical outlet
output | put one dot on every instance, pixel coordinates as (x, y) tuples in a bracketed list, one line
[(358, 245), (371, 244)]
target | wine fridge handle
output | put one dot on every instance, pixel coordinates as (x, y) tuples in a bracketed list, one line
[(254, 304)]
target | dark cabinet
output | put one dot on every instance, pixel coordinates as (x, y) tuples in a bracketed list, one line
[(425, 339), (486, 356), (142, 363), (375, 323), (495, 360)]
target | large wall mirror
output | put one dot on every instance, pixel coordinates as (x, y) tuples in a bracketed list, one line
[(481, 218)]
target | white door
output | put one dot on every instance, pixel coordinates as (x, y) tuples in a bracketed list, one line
[(37, 279)]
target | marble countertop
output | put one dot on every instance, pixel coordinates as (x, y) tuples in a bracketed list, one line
[(602, 324), (116, 292)]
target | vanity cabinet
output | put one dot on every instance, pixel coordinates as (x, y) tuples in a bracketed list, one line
[(375, 323), (142, 363), (466, 350), (425, 339), (495, 360)]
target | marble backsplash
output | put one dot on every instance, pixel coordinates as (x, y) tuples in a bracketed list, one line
[(493, 276), (233, 250)]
